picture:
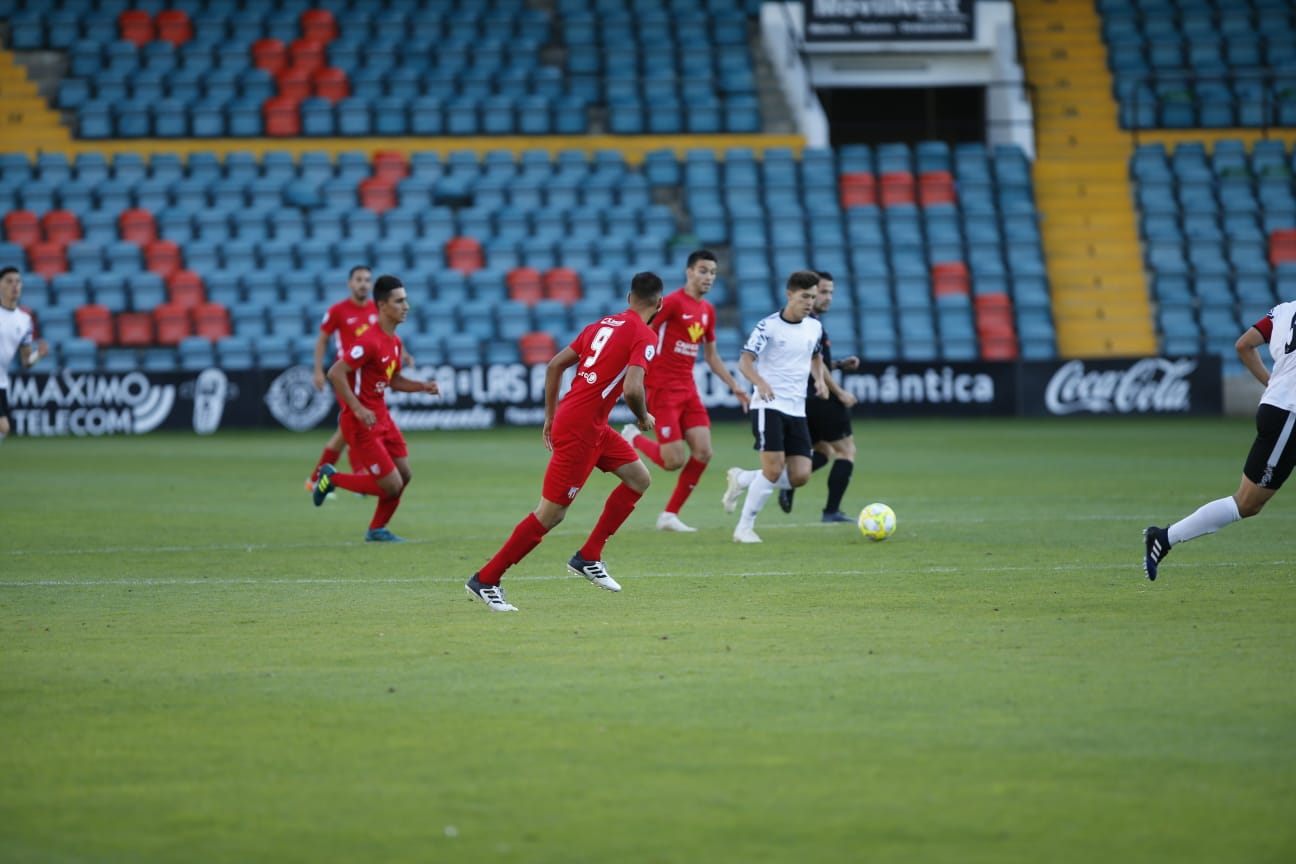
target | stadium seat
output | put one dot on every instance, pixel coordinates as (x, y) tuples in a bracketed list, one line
[(136, 26), (174, 26), (464, 254), (211, 321), (171, 323), (562, 284), (22, 227), (536, 348), (95, 322), (319, 25), (162, 257), (47, 259), (134, 329), (61, 226), (185, 288), (137, 226), (525, 285)]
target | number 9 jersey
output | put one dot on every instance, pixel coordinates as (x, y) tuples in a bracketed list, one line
[(606, 349)]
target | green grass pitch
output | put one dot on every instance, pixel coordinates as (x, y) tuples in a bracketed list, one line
[(196, 665)]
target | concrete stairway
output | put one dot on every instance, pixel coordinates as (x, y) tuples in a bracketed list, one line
[(1089, 227), (27, 123)]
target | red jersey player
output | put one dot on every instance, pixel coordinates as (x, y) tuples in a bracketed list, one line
[(685, 323), (361, 378), (610, 355), (341, 323)]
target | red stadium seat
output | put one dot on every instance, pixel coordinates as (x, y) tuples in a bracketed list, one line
[(294, 82), (525, 285), (172, 323), (270, 55), (61, 226), (319, 25), (211, 321), (993, 315), (47, 259), (1282, 246), (857, 189), (134, 329), (185, 288), (999, 348), (330, 83), (936, 187), (95, 322), (307, 54), (282, 117), (163, 258), (135, 25), (537, 348), (174, 26), (22, 227), (563, 284), (377, 194), (464, 254), (949, 277), (137, 226), (390, 165), (897, 188)]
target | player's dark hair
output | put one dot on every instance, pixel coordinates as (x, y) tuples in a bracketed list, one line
[(825, 276), (384, 286), (5, 271), (357, 268), (802, 280), (646, 287), (700, 255)]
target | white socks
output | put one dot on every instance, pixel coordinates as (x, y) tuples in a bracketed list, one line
[(1206, 519), (759, 490)]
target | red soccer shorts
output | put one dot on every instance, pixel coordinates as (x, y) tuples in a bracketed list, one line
[(373, 448), (574, 459), (676, 411)]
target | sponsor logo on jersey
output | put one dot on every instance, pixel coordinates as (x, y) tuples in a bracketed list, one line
[(696, 331), (590, 377)]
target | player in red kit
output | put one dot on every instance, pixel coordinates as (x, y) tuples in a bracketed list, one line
[(340, 325), (360, 379), (611, 356), (685, 323)]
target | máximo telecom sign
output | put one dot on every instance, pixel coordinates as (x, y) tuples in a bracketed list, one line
[(888, 20)]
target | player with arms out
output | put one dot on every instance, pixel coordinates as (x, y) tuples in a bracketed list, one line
[(1273, 452), (781, 352), (829, 420), (361, 379), (685, 323), (17, 336), (611, 356)]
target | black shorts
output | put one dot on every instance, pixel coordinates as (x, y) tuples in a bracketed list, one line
[(4, 403), (776, 432), (829, 419), (1273, 454)]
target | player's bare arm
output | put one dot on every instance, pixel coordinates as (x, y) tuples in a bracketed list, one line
[(1248, 350), (747, 366), (718, 366), (31, 356), (636, 399), (560, 363), (820, 373), (338, 374), (411, 385), (321, 345)]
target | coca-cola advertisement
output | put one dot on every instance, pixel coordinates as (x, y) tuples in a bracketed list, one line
[(1144, 385)]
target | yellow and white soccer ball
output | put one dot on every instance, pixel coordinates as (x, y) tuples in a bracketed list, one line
[(877, 521)]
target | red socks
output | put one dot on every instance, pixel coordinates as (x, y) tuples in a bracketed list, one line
[(649, 448), (620, 504), (328, 457), (688, 479), (525, 537)]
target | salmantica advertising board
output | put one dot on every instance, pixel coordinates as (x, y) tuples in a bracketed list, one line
[(512, 394)]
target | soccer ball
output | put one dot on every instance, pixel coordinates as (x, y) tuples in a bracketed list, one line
[(877, 522)]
